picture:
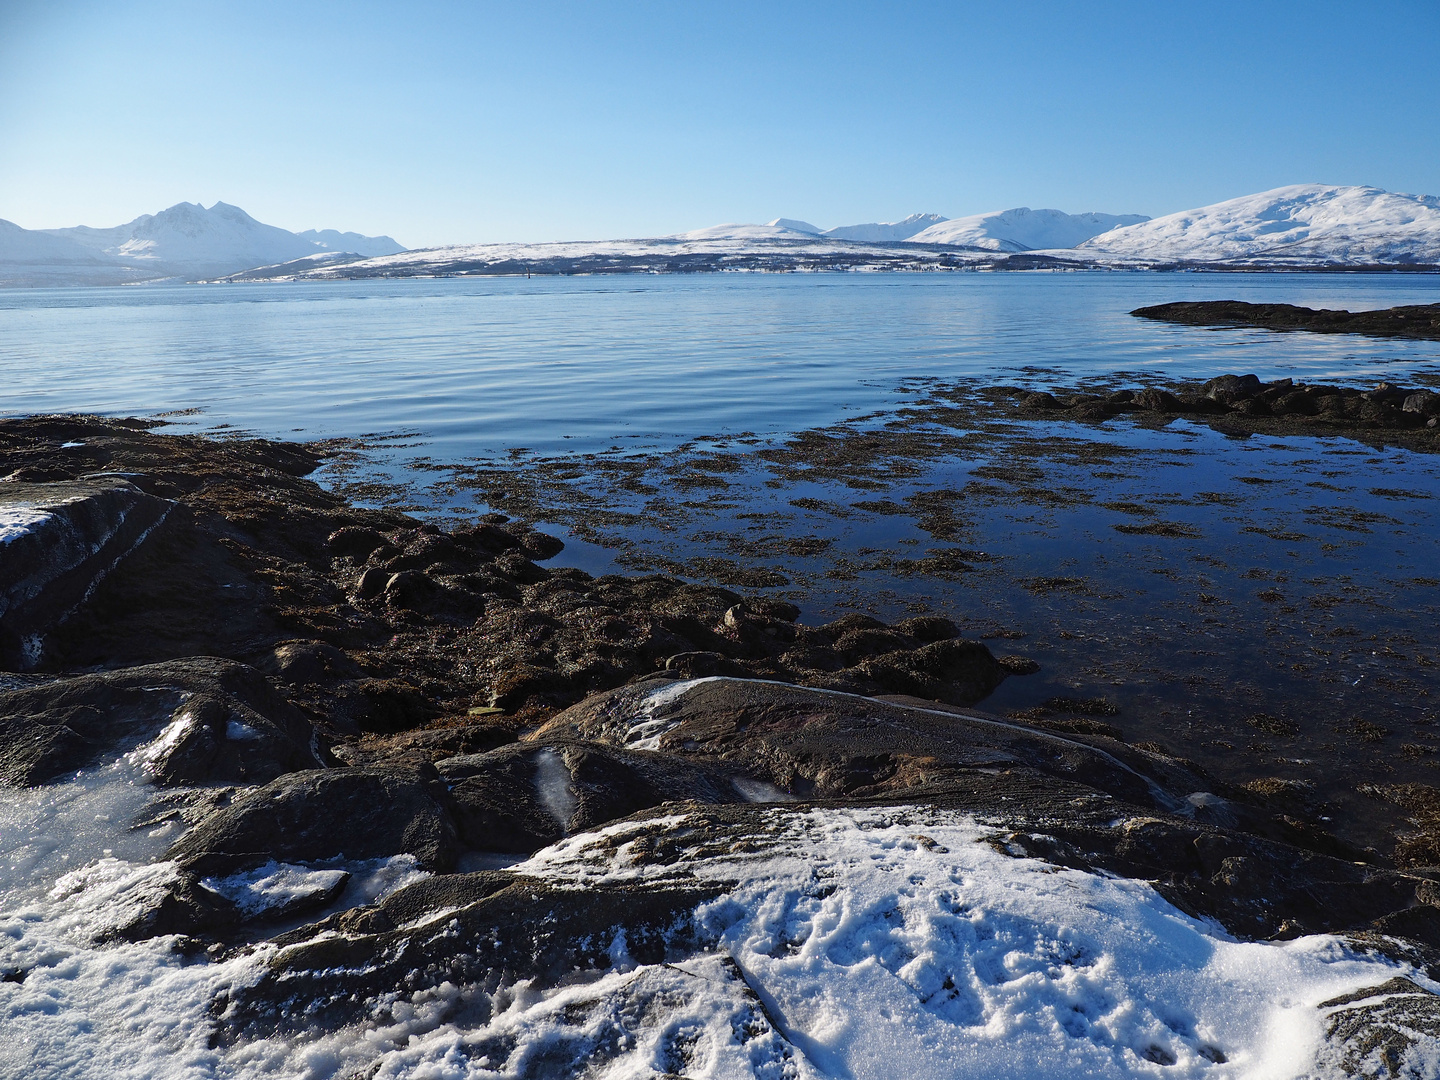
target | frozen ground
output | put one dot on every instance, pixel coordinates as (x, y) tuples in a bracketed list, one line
[(895, 942)]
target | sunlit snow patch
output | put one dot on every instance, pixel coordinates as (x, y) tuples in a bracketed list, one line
[(18, 519), (898, 943)]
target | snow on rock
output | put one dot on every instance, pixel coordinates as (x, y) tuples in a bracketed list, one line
[(884, 232), (877, 943), (1023, 229), (1303, 223)]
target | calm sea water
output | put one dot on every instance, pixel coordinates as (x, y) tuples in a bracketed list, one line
[(485, 364)]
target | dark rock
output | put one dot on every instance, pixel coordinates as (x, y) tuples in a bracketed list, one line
[(541, 546), (522, 682), (371, 583), (1040, 400), (1252, 407), (1421, 320), (520, 798), (410, 590), (1159, 400), (959, 672), (1231, 389), (394, 705), (927, 628), (1295, 403), (486, 537), (700, 665), (1424, 402), (323, 814), (427, 744), (312, 662), (355, 541), (821, 744), (222, 722), (59, 541)]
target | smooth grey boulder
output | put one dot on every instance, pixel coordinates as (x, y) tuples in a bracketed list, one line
[(322, 814), (57, 542), (198, 720), (816, 743)]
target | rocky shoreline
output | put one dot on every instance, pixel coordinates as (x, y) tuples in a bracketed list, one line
[(301, 680), (1413, 321)]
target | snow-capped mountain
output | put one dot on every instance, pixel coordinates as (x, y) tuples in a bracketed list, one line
[(1023, 229), (886, 232), (795, 225), (775, 230), (187, 240), (1304, 224), (369, 246)]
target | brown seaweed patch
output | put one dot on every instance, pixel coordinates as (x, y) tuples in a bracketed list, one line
[(1161, 528)]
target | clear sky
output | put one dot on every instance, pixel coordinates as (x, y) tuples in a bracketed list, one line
[(461, 122)]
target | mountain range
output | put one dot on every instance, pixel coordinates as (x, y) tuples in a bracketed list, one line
[(187, 241), (1305, 225)]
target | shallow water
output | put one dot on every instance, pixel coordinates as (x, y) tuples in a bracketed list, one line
[(480, 365)]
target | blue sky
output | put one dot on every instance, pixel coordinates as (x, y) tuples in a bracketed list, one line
[(458, 122)]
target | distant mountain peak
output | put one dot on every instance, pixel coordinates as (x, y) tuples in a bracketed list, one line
[(185, 240), (1306, 223), (882, 232), (794, 225), (1023, 229)]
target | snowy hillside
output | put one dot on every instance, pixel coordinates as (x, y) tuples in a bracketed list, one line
[(886, 232), (19, 245), (1023, 229), (187, 240), (1304, 223)]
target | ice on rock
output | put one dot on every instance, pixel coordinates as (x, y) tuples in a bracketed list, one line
[(646, 729), (277, 889), (552, 786)]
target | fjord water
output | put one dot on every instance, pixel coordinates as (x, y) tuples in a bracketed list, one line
[(476, 366)]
